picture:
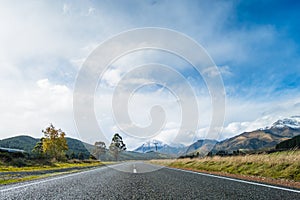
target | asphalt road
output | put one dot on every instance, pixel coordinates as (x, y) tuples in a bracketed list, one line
[(137, 180)]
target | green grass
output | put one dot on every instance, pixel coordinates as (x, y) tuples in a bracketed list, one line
[(14, 177), (10, 180), (280, 165), (52, 166)]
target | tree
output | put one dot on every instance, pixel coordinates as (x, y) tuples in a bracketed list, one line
[(80, 156), (100, 148), (54, 144), (72, 155), (117, 145), (38, 149)]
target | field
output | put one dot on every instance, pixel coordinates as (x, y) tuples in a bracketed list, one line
[(279, 165)]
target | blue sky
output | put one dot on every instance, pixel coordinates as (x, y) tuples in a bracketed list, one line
[(43, 44)]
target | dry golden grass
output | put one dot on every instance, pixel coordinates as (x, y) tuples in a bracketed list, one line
[(280, 165)]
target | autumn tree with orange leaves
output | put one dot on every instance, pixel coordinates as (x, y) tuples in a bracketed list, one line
[(54, 143)]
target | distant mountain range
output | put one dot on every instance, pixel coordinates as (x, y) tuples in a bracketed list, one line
[(158, 146), (264, 138), (27, 143)]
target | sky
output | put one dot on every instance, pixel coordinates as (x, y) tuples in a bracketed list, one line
[(43, 45)]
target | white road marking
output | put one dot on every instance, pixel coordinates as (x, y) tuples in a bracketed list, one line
[(237, 180), (135, 171)]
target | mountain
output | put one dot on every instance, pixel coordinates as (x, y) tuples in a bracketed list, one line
[(290, 143), (201, 146), (77, 147), (250, 141), (22, 142), (160, 147), (266, 138), (27, 143), (292, 122), (131, 155)]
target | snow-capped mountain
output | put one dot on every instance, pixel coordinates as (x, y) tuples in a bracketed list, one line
[(153, 145), (292, 122), (158, 146), (262, 138)]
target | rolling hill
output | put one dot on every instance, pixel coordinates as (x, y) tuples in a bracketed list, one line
[(265, 138), (290, 143), (22, 142), (27, 143)]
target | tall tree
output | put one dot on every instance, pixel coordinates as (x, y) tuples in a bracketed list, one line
[(117, 145), (54, 143), (100, 148)]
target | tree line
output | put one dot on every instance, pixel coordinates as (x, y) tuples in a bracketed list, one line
[(54, 146), (115, 148)]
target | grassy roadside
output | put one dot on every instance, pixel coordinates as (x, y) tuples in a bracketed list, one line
[(279, 165), (51, 166), (12, 174), (12, 179)]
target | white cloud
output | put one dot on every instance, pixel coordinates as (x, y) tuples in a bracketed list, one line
[(56, 36), (28, 109), (112, 77), (43, 84), (91, 11), (251, 114), (66, 8)]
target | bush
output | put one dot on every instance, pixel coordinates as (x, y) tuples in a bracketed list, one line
[(5, 157), (19, 162)]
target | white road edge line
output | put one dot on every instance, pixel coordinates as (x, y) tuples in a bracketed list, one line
[(50, 179), (237, 180)]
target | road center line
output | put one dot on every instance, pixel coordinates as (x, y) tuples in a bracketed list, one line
[(134, 169), (237, 180)]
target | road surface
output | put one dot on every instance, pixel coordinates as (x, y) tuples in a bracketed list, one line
[(134, 180)]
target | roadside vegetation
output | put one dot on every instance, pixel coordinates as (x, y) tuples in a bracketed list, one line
[(39, 165), (34, 169), (48, 153), (278, 165), (48, 158)]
